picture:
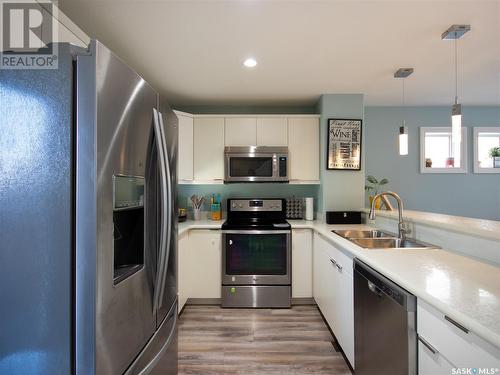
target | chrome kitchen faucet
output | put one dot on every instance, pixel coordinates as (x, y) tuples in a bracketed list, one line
[(402, 228)]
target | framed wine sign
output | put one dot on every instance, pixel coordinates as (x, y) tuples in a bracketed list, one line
[(344, 144)]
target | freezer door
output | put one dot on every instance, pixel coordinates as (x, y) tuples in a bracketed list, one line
[(125, 318), (159, 357)]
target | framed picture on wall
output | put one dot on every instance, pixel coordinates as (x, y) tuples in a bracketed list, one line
[(344, 144)]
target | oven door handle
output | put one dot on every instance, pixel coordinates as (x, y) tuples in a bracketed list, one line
[(271, 232)]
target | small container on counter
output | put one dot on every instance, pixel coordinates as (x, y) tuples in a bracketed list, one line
[(182, 215), (309, 202), (196, 213), (215, 207), (216, 211)]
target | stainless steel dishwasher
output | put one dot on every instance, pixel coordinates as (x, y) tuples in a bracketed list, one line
[(385, 338)]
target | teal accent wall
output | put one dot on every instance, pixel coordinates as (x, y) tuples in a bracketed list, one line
[(470, 195), (262, 190), (340, 190)]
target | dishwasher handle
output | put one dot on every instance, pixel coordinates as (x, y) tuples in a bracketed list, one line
[(382, 286), (373, 288)]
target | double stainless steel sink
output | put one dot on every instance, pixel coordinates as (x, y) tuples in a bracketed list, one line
[(378, 239)]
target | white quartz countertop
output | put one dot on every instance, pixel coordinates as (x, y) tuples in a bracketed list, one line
[(489, 229), (198, 224), (465, 289)]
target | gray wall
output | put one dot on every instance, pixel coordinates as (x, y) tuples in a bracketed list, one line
[(471, 195), (340, 190)]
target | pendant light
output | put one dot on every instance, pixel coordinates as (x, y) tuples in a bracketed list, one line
[(403, 130), (455, 32)]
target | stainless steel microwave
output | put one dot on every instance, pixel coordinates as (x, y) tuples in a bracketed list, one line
[(256, 164)]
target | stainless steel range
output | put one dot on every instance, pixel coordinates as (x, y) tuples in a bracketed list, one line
[(256, 258)]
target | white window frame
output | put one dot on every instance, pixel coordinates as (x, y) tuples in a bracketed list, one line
[(476, 131), (463, 150)]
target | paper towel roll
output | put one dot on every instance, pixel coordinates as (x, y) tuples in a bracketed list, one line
[(309, 208)]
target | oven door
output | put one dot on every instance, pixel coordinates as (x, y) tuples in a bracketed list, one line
[(253, 257), (252, 167)]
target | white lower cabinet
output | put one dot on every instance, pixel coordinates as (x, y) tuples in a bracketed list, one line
[(183, 260), (200, 255), (444, 344), (301, 263), (333, 291), (431, 362)]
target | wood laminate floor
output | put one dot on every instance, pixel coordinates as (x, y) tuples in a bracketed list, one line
[(256, 341)]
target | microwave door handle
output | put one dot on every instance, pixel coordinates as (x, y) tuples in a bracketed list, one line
[(166, 253), (164, 208)]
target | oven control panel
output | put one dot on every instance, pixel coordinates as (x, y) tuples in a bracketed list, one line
[(256, 205)]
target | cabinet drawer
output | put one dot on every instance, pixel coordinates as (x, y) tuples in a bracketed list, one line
[(344, 262), (463, 349), (430, 362)]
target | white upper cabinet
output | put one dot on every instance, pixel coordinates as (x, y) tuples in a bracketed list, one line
[(303, 149), (202, 139), (272, 131), (241, 131), (185, 157), (209, 149)]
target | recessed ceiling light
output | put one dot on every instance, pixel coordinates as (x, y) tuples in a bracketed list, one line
[(250, 63)]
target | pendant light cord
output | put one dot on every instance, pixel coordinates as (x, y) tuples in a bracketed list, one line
[(456, 69), (403, 92), (403, 99)]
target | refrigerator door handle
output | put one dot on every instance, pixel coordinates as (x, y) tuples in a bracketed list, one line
[(164, 209), (166, 253)]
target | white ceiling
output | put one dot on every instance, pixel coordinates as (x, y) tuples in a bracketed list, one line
[(192, 51)]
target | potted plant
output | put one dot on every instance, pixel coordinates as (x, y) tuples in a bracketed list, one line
[(373, 187), (495, 154)]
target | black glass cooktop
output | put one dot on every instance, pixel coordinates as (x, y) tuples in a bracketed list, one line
[(256, 224)]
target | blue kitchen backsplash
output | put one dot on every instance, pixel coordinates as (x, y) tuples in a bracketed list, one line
[(266, 190)]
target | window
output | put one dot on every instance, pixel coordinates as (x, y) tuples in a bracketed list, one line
[(438, 154), (484, 140)]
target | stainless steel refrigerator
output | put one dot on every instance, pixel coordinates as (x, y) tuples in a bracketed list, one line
[(88, 229)]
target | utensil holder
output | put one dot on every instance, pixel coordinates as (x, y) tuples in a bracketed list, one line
[(196, 213), (216, 211)]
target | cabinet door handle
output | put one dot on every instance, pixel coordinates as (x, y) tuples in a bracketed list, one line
[(458, 325), (333, 261), (428, 346), (339, 266)]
